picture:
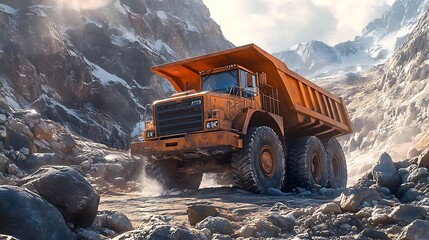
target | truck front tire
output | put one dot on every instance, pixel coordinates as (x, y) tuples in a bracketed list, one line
[(165, 172), (260, 165), (337, 165), (307, 163)]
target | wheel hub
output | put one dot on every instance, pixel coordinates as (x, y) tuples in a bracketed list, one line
[(316, 170), (267, 161)]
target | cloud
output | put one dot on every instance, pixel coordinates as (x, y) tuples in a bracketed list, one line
[(277, 25)]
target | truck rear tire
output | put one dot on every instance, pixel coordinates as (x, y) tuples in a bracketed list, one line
[(337, 165), (260, 165), (307, 163), (165, 172)]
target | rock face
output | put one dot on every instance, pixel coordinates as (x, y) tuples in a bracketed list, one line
[(43, 222), (67, 190), (88, 67), (385, 173)]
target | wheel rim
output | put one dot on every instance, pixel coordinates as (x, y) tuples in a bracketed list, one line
[(267, 161), (316, 170), (335, 167)]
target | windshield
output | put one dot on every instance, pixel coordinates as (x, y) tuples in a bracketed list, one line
[(221, 82)]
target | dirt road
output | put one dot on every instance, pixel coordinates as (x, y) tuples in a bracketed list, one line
[(241, 204)]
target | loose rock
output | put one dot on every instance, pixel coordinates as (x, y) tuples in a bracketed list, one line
[(352, 198), (216, 225), (25, 215), (66, 189), (417, 230), (116, 221), (385, 173)]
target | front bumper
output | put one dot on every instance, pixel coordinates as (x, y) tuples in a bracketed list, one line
[(209, 143)]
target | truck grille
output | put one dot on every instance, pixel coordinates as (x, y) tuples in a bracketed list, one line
[(179, 117)]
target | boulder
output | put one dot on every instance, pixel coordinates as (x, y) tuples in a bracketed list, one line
[(4, 162), (265, 229), (66, 189), (26, 215), (385, 173), (120, 182), (3, 119), (3, 133), (216, 225), (374, 234), (162, 232), (217, 236), (351, 199), (418, 174), (410, 195), (19, 136), (423, 160), (331, 207), (197, 213), (417, 230), (37, 160), (284, 223), (88, 234), (116, 221), (407, 213), (44, 131)]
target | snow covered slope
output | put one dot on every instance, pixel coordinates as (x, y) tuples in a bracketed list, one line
[(374, 46), (87, 64), (389, 105)]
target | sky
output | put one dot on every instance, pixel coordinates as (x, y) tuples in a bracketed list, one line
[(277, 25)]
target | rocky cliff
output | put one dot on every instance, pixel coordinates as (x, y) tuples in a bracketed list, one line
[(389, 105), (87, 64)]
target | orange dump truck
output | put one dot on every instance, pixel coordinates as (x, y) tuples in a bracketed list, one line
[(242, 111)]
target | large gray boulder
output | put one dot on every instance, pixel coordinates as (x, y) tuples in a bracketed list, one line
[(26, 215), (385, 173), (68, 190)]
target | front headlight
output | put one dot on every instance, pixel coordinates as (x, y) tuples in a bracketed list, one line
[(150, 134), (212, 124)]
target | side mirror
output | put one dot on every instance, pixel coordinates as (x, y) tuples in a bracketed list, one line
[(249, 80), (262, 77)]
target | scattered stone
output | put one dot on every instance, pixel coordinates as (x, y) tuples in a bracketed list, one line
[(12, 168), (37, 160), (44, 222), (418, 174), (66, 189), (385, 173), (3, 119), (331, 207), (85, 165), (410, 195), (417, 230), (119, 182), (407, 213), (88, 234), (351, 199), (374, 234), (285, 224), (216, 225), (114, 220), (423, 160), (221, 237), (162, 232), (197, 213), (265, 229), (24, 151), (246, 231)]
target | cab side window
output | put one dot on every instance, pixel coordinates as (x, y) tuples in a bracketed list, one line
[(247, 91)]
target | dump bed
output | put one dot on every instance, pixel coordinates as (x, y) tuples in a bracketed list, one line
[(307, 109)]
